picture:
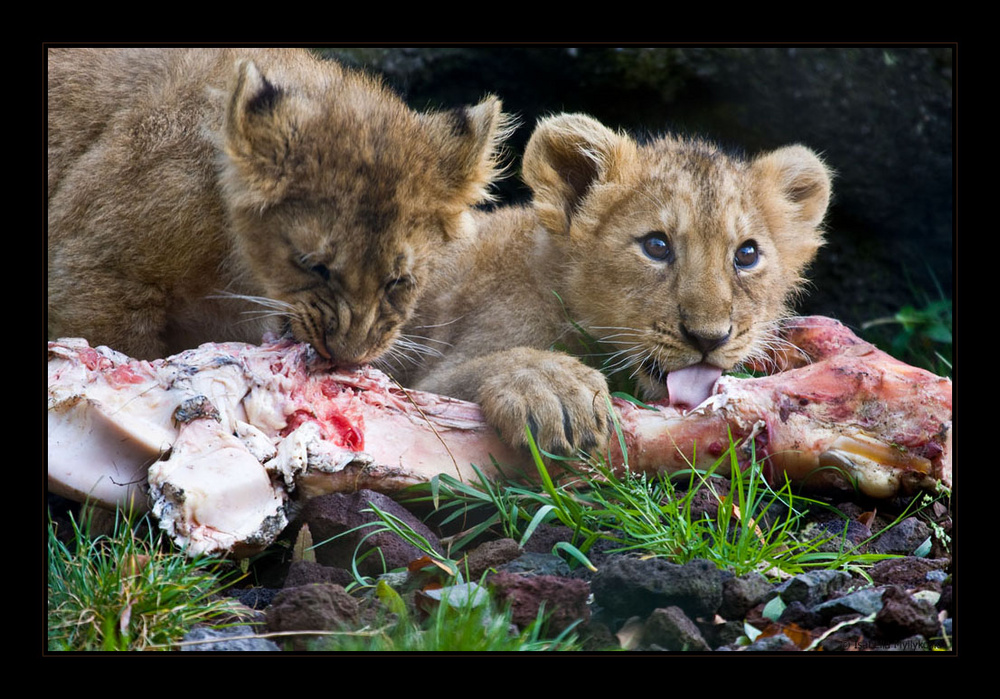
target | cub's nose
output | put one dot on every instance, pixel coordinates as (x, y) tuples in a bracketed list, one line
[(705, 342)]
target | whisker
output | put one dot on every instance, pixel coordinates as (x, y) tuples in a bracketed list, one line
[(258, 300), (430, 339), (439, 325)]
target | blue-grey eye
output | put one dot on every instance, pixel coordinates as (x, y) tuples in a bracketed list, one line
[(656, 246), (747, 255)]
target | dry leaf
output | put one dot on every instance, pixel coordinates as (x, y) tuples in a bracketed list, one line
[(303, 551)]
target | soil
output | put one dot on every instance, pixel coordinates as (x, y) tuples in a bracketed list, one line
[(904, 603)]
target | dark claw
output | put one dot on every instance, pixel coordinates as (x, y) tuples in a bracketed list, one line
[(567, 426), (533, 427), (589, 442)]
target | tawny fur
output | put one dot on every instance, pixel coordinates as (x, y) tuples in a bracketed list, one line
[(214, 194), (740, 235)]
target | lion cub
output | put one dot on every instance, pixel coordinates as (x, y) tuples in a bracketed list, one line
[(679, 258), (214, 194)]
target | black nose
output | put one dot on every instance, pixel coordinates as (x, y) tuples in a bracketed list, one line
[(705, 343)]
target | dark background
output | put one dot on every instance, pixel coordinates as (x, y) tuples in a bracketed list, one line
[(880, 116)]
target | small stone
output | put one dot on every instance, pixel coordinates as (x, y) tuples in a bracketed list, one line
[(904, 538), (909, 571), (740, 595), (318, 607), (334, 515), (813, 587), (863, 603), (564, 599), (491, 554), (308, 572), (531, 563), (229, 639), (770, 644), (902, 615), (627, 586), (672, 630)]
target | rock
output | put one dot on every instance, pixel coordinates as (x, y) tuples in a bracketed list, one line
[(771, 644), (229, 639), (798, 614), (486, 556), (670, 629), (904, 538), (813, 587), (863, 603), (848, 638), (910, 571), (531, 563), (332, 515), (743, 593), (626, 586), (564, 599), (308, 572), (722, 635), (318, 607), (254, 597), (903, 615)]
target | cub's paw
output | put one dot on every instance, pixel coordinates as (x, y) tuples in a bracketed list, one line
[(562, 401)]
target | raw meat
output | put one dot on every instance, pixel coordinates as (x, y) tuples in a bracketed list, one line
[(838, 413), (224, 434)]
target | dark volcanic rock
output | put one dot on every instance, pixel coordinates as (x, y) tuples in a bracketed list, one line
[(903, 615), (861, 603), (308, 572), (320, 607), (334, 515), (562, 600), (904, 538), (670, 629), (909, 571), (813, 587), (743, 593), (491, 554), (627, 586)]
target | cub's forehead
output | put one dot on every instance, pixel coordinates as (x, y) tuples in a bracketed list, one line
[(695, 186)]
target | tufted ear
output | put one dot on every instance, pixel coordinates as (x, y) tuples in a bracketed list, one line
[(794, 194), (254, 133), (567, 158), (468, 141), (796, 176)]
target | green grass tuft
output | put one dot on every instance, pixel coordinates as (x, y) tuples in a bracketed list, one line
[(122, 592), (757, 527)]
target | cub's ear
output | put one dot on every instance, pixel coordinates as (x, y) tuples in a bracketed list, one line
[(254, 135), (795, 176), (569, 158), (794, 191), (468, 142)]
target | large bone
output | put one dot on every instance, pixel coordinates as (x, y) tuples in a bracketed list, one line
[(222, 434)]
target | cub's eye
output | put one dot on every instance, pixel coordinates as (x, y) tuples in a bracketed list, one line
[(656, 246), (747, 255), (322, 270), (398, 284)]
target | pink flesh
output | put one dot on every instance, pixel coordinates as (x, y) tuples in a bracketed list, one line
[(692, 385), (836, 404)]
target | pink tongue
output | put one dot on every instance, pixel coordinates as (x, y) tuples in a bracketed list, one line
[(689, 386)]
